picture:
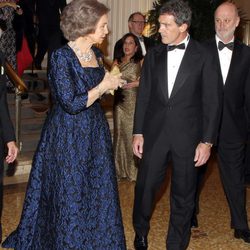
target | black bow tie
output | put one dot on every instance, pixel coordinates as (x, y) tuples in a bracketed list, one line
[(222, 45), (179, 46), (140, 38)]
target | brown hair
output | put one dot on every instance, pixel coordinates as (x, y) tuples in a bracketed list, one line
[(80, 17)]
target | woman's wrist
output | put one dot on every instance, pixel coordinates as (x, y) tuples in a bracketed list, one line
[(99, 90)]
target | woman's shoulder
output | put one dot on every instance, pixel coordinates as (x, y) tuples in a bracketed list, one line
[(64, 50), (62, 58), (64, 53)]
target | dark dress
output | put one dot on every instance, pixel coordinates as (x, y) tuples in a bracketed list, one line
[(72, 197)]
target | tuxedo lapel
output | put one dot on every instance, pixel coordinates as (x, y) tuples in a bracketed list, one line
[(188, 59), (236, 58), (214, 51), (162, 70)]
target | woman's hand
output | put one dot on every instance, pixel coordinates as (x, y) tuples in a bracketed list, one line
[(108, 84), (131, 85), (111, 82)]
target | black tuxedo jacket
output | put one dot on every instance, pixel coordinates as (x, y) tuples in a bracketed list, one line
[(236, 93), (118, 46), (192, 112), (6, 127), (48, 11)]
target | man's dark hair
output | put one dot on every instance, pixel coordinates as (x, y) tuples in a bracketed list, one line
[(179, 9), (137, 57)]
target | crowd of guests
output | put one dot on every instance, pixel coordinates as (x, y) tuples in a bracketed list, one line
[(31, 29), (174, 102)]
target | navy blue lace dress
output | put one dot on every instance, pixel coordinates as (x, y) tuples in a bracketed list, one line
[(72, 197)]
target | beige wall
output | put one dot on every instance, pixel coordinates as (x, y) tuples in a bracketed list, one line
[(121, 9)]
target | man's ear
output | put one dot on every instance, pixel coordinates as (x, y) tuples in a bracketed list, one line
[(237, 21), (183, 27), (129, 25)]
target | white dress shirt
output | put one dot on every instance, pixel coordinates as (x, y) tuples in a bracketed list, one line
[(225, 56), (174, 61)]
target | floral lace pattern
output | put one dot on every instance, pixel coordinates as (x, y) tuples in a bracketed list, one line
[(72, 197)]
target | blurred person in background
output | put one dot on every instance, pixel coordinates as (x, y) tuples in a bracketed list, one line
[(8, 10), (136, 25), (124, 105), (8, 148), (48, 15)]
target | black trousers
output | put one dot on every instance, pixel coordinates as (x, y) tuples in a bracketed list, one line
[(232, 170), (201, 171), (2, 154), (247, 160), (151, 175), (47, 28)]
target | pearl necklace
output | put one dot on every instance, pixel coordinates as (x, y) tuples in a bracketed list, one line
[(85, 57)]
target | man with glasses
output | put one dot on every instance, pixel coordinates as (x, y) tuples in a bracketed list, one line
[(136, 25)]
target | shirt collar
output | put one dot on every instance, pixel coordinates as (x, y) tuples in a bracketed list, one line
[(185, 40)]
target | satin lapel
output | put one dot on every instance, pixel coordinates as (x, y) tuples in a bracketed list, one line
[(236, 58), (188, 61), (161, 59), (215, 52)]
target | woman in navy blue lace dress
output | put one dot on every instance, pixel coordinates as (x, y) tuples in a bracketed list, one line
[(72, 198)]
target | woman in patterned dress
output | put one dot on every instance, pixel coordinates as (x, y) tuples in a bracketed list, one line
[(72, 196)]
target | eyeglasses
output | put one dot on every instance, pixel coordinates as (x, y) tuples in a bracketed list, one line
[(139, 22)]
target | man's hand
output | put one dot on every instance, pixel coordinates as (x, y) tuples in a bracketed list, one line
[(138, 141), (12, 152), (202, 154)]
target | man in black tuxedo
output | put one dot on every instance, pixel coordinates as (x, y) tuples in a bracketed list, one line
[(176, 117), (7, 136), (247, 160), (48, 13), (136, 25), (233, 64)]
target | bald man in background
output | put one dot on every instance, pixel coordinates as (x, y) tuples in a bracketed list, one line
[(233, 63)]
